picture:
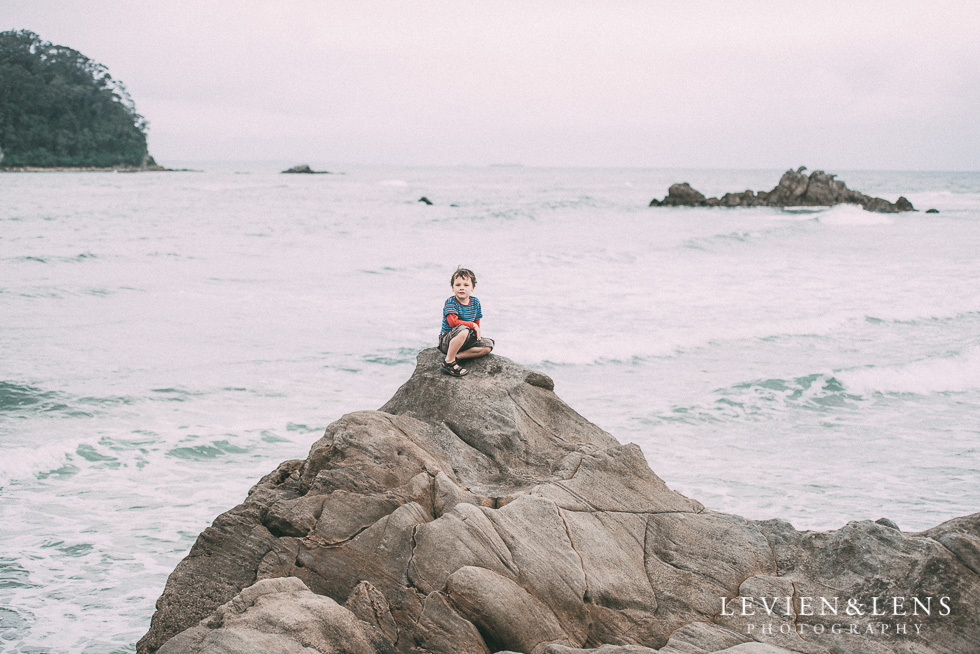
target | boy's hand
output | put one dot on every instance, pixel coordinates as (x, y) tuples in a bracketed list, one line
[(476, 330)]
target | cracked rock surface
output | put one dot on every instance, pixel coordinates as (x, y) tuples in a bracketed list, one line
[(483, 514)]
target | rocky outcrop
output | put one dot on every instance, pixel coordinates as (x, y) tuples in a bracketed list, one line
[(682, 195), (304, 169), (279, 615), (795, 189), (483, 514)]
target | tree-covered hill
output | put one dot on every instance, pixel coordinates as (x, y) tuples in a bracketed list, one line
[(60, 108)]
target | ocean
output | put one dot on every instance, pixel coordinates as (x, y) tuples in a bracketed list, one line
[(168, 338)]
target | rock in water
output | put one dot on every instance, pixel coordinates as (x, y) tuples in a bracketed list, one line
[(681, 195), (484, 514), (304, 169), (795, 189)]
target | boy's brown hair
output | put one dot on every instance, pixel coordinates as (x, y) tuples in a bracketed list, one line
[(465, 273)]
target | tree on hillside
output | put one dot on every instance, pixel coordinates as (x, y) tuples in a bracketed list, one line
[(60, 108)]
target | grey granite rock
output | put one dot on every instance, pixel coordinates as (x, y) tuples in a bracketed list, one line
[(483, 514), (369, 605), (279, 616)]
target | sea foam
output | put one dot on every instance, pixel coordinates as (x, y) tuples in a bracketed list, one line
[(22, 463), (852, 214), (948, 374)]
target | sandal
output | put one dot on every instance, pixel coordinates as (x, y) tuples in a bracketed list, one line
[(453, 369)]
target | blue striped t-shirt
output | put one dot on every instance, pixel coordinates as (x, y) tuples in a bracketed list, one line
[(470, 312)]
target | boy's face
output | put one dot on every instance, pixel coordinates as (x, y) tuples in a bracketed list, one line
[(462, 288)]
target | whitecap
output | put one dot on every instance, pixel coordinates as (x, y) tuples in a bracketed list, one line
[(805, 209), (950, 374), (20, 463), (852, 214)]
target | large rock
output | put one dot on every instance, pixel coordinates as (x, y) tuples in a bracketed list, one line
[(304, 169), (681, 195), (483, 514), (795, 189), (279, 616)]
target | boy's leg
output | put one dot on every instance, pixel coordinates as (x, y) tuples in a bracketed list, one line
[(480, 348), (474, 352), (456, 343)]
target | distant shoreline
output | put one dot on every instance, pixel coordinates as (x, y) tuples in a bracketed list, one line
[(94, 169)]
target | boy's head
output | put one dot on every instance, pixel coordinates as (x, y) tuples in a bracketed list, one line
[(463, 273)]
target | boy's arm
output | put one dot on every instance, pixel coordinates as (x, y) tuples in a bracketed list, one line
[(454, 320)]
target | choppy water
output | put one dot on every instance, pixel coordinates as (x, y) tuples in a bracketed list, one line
[(166, 339)]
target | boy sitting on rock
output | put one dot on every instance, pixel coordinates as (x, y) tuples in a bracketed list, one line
[(460, 337)]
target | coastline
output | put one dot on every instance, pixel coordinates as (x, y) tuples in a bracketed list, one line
[(95, 169)]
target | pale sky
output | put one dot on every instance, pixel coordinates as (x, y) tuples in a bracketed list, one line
[(833, 85)]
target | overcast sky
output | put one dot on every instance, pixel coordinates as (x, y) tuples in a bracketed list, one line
[(834, 85)]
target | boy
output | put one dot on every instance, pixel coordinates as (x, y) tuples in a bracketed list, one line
[(460, 336)]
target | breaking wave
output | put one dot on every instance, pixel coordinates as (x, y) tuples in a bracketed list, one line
[(14, 397), (762, 399), (852, 214), (949, 374)]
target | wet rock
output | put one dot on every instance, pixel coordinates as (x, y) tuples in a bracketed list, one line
[(795, 189), (425, 200), (484, 514), (932, 210)]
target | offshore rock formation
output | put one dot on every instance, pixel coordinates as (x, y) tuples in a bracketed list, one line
[(483, 514), (304, 169), (795, 189)]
